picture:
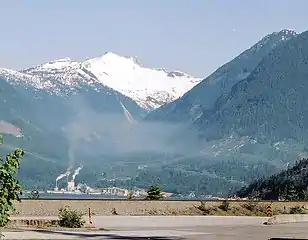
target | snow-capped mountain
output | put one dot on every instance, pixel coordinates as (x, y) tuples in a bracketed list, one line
[(149, 88)]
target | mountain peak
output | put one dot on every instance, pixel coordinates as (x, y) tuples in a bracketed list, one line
[(284, 34), (203, 97), (66, 59), (110, 55), (58, 62), (275, 38), (114, 57), (54, 65), (287, 32), (129, 77), (135, 60)]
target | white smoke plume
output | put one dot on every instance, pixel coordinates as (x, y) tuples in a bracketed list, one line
[(76, 172), (67, 173)]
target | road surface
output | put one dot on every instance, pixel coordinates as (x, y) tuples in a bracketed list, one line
[(174, 228)]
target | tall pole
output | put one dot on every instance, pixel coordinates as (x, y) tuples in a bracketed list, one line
[(90, 217)]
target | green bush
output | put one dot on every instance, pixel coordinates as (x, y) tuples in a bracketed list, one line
[(10, 187), (70, 218), (130, 195)]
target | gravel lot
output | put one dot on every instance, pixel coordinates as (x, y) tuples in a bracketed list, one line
[(105, 207)]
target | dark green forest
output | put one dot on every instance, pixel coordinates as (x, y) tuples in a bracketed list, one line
[(289, 184)]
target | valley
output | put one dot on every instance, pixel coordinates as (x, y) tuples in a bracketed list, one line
[(129, 125)]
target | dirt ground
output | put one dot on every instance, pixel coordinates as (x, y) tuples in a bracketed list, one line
[(33, 207)]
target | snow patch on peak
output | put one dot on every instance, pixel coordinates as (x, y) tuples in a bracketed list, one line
[(287, 31), (21, 78), (283, 35), (150, 88), (55, 65), (113, 58), (174, 73), (135, 60), (66, 59), (286, 34)]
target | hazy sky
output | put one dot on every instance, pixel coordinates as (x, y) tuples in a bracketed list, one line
[(194, 36)]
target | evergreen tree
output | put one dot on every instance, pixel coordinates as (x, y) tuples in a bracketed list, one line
[(154, 193)]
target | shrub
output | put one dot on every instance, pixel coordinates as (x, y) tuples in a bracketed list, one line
[(114, 211), (251, 205), (225, 205), (130, 195), (298, 210), (203, 208), (254, 208), (70, 218)]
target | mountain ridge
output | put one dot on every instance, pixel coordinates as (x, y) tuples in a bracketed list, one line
[(275, 67), (203, 96), (148, 87)]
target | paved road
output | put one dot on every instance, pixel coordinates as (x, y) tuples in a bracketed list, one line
[(133, 222), (137, 222), (174, 228)]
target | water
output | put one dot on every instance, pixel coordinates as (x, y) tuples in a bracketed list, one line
[(72, 196), (98, 196)]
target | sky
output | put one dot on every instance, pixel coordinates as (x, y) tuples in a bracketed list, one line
[(193, 36)]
